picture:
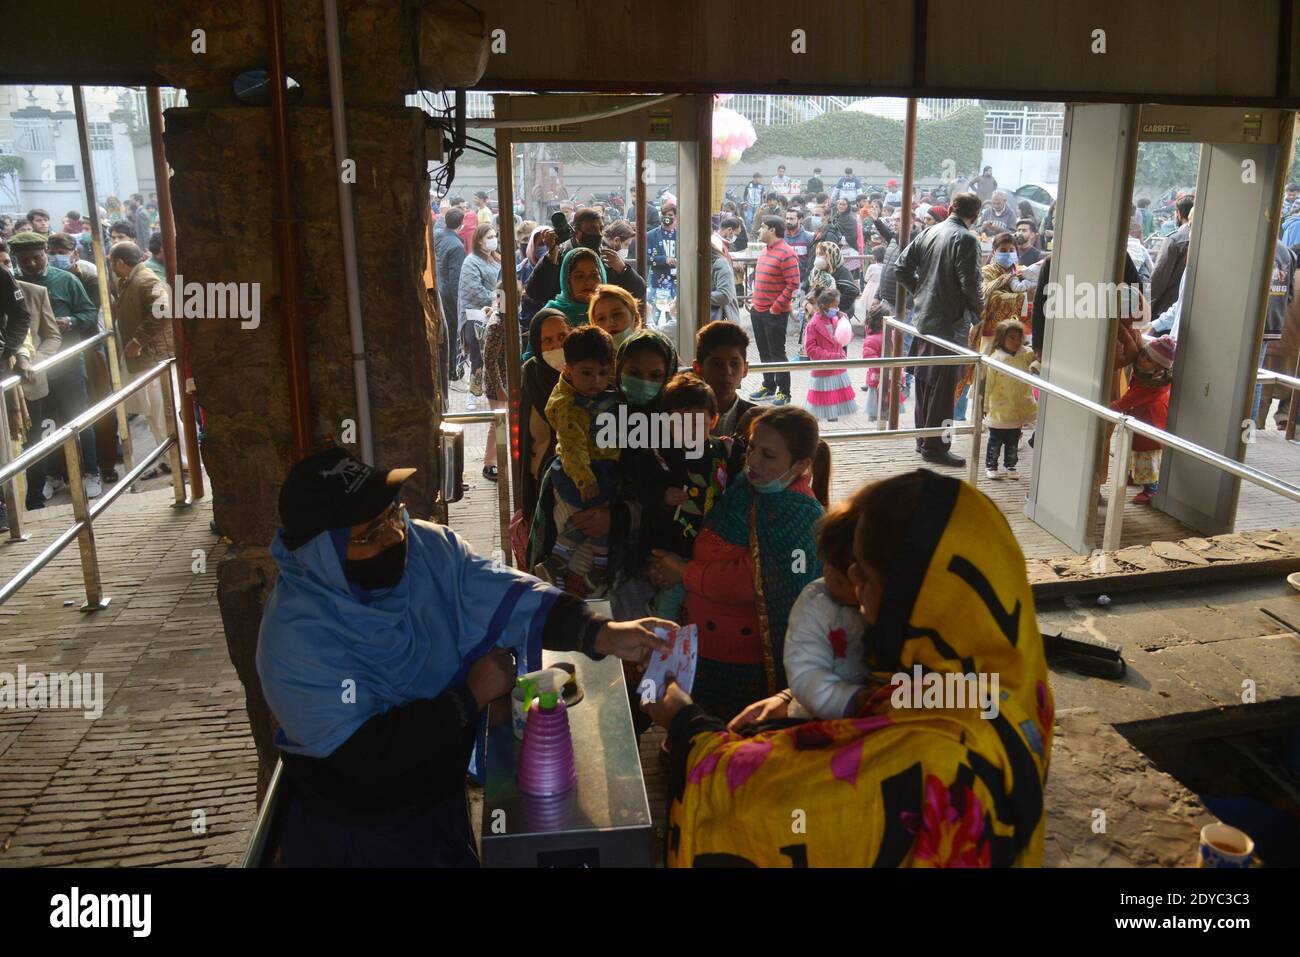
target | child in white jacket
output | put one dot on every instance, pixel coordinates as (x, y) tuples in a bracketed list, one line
[(1009, 403), (824, 656)]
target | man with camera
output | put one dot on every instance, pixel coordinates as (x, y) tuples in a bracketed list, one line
[(587, 229)]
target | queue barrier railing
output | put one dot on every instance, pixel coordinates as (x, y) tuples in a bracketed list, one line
[(1125, 426), (9, 489), (450, 436), (68, 436)]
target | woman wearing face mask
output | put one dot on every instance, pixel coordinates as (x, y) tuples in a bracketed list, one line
[(476, 302), (742, 581), (618, 238), (645, 361), (532, 251), (828, 271), (495, 385), (1005, 295), (615, 311), (741, 242), (546, 335), (935, 568), (825, 232), (846, 221), (428, 634)]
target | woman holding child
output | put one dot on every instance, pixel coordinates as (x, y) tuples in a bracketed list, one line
[(939, 582), (645, 361), (1005, 297)]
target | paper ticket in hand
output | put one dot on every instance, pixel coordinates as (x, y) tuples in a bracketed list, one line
[(677, 662)]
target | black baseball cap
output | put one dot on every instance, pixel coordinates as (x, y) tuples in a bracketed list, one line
[(332, 489)]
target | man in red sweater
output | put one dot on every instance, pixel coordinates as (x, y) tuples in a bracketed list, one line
[(776, 278)]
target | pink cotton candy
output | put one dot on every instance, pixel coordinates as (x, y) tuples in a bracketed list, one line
[(843, 332)]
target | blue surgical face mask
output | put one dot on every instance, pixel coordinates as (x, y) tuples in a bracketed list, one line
[(1005, 259), (779, 484), (619, 337), (639, 391), (61, 260), (815, 222), (833, 311)]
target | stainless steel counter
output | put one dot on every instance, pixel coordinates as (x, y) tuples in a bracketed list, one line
[(604, 820)]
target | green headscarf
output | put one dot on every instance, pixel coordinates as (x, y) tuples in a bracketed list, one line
[(574, 311)]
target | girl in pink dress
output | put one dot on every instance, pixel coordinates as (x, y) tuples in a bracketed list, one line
[(831, 393)]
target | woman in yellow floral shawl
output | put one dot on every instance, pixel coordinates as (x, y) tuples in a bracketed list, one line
[(943, 587)]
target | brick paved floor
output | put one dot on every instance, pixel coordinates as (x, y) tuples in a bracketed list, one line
[(167, 774)]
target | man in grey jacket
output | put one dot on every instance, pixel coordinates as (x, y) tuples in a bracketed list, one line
[(941, 269)]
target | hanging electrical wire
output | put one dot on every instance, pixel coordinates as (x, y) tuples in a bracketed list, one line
[(444, 121)]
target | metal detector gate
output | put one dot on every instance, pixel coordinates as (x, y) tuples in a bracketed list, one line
[(597, 118), (1244, 158), (1244, 161)]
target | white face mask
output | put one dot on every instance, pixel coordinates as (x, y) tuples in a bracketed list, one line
[(622, 253), (819, 262), (554, 358), (490, 245)]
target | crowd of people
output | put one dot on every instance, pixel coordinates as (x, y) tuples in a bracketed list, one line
[(51, 301), (831, 263), (806, 612), (806, 609)]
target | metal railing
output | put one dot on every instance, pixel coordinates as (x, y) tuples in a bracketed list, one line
[(765, 109), (1125, 427), (8, 490), (68, 437), (502, 420), (263, 843)]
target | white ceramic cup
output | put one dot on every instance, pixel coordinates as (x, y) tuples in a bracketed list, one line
[(1224, 846)]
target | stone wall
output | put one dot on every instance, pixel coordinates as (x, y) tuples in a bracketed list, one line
[(224, 195)]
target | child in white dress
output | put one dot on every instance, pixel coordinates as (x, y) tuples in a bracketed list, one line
[(824, 656)]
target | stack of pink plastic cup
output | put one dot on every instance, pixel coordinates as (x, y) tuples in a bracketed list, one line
[(546, 764)]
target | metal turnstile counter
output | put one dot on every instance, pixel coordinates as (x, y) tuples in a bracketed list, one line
[(604, 820)]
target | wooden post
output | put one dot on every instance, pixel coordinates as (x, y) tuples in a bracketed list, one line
[(163, 186)]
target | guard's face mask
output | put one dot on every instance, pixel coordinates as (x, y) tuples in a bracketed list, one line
[(384, 570)]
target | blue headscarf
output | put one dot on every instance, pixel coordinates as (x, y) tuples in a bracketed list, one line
[(396, 645)]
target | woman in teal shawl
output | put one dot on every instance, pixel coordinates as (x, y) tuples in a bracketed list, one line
[(755, 554), (581, 271)]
